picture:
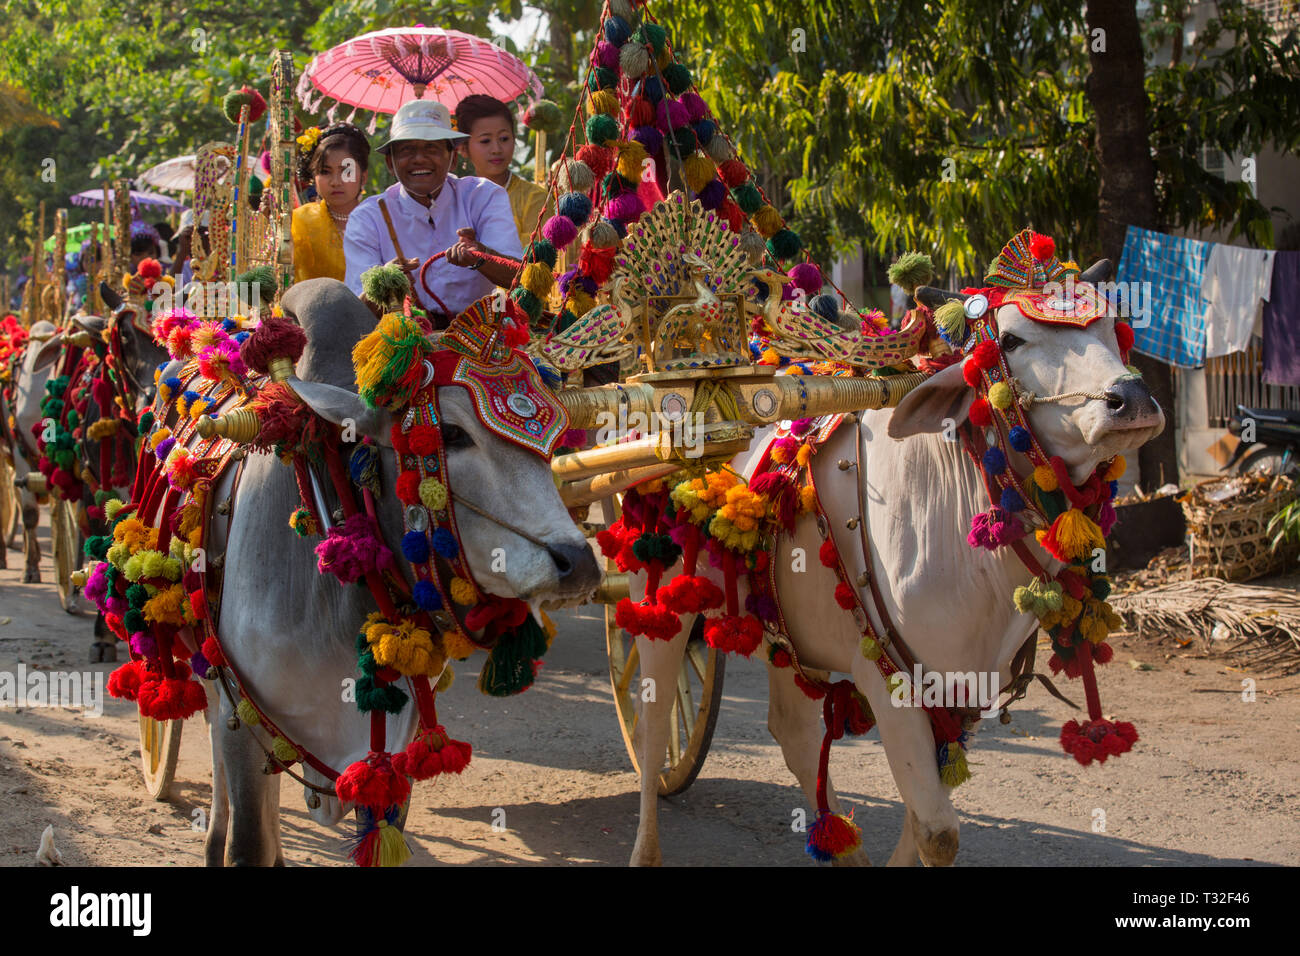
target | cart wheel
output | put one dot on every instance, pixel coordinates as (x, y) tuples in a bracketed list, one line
[(698, 696), (8, 505), (160, 746), (65, 539)]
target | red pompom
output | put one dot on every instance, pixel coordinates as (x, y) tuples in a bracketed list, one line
[(828, 553), (199, 606), (400, 444), (1042, 247), (432, 753), (985, 355), (373, 783), (734, 215), (781, 657), (212, 651), (172, 698), (736, 633), (971, 373), (844, 596), (124, 683), (599, 158), (640, 112), (981, 413), (408, 488), (597, 263), (1097, 739), (655, 621), (424, 439), (1124, 335), (690, 594), (733, 173), (149, 269), (1102, 652)]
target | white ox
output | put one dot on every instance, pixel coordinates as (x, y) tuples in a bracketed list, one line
[(950, 603), (290, 631), (29, 391)]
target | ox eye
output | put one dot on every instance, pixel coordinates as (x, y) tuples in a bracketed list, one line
[(453, 436), (1010, 341)]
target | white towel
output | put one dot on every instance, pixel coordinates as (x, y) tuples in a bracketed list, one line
[(1235, 286)]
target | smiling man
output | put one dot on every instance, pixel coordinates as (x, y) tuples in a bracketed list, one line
[(427, 211)]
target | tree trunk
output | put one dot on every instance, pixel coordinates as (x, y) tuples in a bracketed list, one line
[(1116, 89)]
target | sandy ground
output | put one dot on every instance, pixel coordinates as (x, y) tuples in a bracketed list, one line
[(1214, 781)]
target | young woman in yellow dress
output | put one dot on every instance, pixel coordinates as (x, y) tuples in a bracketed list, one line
[(490, 149), (335, 160)]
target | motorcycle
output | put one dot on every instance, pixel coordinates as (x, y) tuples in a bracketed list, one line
[(1269, 441)]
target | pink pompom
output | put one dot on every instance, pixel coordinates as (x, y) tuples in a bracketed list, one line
[(695, 106), (807, 277), (607, 55), (560, 230), (671, 114), (627, 207), (265, 161)]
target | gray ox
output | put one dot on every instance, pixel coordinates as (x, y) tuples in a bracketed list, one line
[(29, 389), (951, 604), (290, 632)]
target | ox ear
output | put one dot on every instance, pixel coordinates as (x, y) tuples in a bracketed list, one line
[(927, 409), (340, 406)]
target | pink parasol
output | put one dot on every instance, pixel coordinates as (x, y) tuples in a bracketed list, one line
[(380, 71)]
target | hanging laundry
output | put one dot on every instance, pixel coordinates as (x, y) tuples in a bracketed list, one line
[(1282, 322), (1235, 287), (1165, 273)]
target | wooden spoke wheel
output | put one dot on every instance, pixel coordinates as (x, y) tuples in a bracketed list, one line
[(9, 510), (65, 540), (160, 746), (696, 699)]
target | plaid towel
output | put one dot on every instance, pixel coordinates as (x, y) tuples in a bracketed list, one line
[(1171, 269)]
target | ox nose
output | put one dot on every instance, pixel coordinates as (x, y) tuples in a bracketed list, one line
[(1131, 403), (575, 564)]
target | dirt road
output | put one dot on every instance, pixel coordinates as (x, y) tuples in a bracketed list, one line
[(1215, 779)]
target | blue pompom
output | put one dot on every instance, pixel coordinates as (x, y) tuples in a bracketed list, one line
[(575, 207), (652, 89), (1011, 500), (824, 306), (191, 395), (1114, 489), (173, 383), (228, 325), (617, 31), (415, 546), (754, 352), (363, 458), (550, 375), (444, 542), (759, 293), (704, 130), (619, 226), (1020, 438), (241, 336), (994, 461), (426, 596)]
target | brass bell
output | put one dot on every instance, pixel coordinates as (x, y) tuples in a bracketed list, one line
[(224, 507), (1004, 717), (338, 516), (269, 767), (313, 801), (863, 579), (844, 464), (851, 524), (232, 722)]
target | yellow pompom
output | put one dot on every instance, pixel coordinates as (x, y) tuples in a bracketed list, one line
[(433, 494), (112, 506), (158, 437), (1116, 469), (462, 592), (456, 646), (869, 648), (537, 278), (770, 357), (578, 302), (603, 101), (1000, 396), (284, 751), (1045, 478), (804, 455), (767, 221), (631, 161), (697, 170), (1073, 536), (247, 714), (165, 607), (808, 498)]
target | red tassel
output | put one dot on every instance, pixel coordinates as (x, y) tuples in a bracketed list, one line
[(172, 698), (655, 621), (124, 683), (373, 783), (844, 596), (829, 554), (1042, 247), (833, 836), (432, 753), (690, 594), (212, 651), (734, 633)]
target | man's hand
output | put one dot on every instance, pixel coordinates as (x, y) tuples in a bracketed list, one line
[(406, 265), (460, 254)]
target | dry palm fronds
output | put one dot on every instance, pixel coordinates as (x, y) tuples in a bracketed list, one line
[(1258, 626)]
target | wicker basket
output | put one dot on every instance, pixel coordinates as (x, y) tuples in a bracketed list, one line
[(1229, 539)]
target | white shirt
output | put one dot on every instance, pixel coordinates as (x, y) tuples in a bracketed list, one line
[(1235, 287), (468, 202)]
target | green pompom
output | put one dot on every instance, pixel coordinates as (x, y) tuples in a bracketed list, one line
[(653, 34), (261, 279), (509, 669), (567, 318), (1101, 588), (134, 621), (910, 270), (684, 141), (541, 251), (615, 184), (950, 318), (146, 423), (678, 78), (233, 102), (96, 547), (747, 197), (528, 302), (386, 287), (601, 129), (602, 78), (544, 115), (104, 495), (136, 596), (388, 698), (785, 244)]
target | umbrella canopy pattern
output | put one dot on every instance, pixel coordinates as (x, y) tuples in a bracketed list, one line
[(95, 197), (380, 71), (177, 175)]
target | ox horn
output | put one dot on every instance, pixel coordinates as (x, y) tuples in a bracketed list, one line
[(1099, 271), (932, 298)]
